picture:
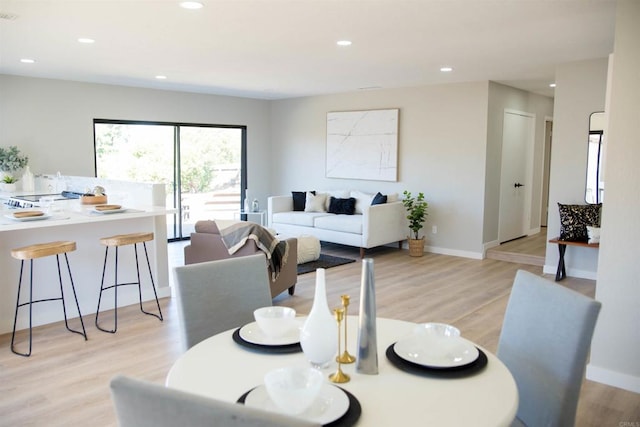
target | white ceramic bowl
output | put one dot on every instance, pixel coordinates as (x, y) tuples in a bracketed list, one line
[(293, 389), (432, 341), (275, 321), (436, 331)]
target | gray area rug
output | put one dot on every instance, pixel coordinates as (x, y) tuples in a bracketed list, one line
[(325, 261)]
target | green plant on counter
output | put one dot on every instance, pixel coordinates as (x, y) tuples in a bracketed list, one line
[(8, 179), (417, 211), (11, 160)]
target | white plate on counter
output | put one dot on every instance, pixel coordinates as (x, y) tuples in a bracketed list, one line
[(331, 404)]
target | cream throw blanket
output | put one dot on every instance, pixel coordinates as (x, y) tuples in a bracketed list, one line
[(277, 252)]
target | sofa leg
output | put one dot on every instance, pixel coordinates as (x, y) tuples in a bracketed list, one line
[(292, 289), (362, 252), (400, 244)]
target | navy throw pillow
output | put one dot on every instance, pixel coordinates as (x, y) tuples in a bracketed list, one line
[(379, 199), (299, 200), (342, 206)]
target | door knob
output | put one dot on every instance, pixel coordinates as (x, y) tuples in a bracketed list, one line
[(517, 184)]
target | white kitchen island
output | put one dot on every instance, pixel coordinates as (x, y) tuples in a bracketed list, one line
[(70, 220)]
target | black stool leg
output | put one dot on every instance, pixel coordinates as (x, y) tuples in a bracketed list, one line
[(15, 319), (102, 288), (153, 285), (73, 288)]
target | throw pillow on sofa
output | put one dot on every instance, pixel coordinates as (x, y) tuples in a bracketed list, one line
[(362, 200), (315, 202), (299, 200), (342, 206), (338, 194), (379, 199)]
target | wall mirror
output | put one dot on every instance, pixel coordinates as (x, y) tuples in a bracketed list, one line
[(595, 186)]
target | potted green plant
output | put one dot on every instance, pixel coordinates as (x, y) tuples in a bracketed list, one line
[(11, 161), (8, 184), (416, 214)]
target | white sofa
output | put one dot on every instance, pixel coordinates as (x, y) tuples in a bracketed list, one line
[(369, 227)]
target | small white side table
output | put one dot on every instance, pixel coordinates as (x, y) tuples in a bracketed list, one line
[(259, 217)]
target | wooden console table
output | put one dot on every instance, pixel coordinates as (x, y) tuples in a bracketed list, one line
[(562, 247)]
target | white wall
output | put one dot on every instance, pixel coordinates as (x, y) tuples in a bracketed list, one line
[(615, 351), (52, 121), (442, 146), (503, 97), (580, 91)]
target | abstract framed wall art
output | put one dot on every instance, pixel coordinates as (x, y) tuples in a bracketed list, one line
[(363, 145)]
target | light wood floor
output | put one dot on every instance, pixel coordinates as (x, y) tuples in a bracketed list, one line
[(526, 250), (65, 381)]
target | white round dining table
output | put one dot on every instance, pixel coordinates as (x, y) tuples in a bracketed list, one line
[(221, 369)]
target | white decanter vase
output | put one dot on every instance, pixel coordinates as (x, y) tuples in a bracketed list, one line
[(319, 334)]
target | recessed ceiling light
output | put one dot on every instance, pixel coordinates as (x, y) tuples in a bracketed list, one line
[(446, 69), (27, 60), (161, 77), (86, 40), (552, 85), (343, 42), (193, 5)]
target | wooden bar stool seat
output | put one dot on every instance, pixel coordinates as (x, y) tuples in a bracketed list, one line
[(124, 240), (39, 251)]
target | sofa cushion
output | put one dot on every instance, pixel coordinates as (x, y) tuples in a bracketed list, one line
[(305, 219), (207, 226), (362, 200), (379, 199), (315, 202), (342, 206), (343, 223), (392, 197), (299, 198), (338, 194)]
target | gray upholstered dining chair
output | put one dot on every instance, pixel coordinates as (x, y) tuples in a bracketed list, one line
[(144, 404), (219, 295), (545, 341)]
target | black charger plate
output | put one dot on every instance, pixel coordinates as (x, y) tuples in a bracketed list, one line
[(452, 372), (278, 349), (347, 420)]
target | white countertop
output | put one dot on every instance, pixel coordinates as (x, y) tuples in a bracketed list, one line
[(72, 212)]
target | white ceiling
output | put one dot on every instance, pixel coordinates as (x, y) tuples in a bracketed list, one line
[(273, 49)]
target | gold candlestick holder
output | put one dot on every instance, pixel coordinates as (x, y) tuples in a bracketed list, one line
[(345, 357), (339, 376)]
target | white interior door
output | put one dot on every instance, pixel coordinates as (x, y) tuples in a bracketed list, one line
[(515, 179)]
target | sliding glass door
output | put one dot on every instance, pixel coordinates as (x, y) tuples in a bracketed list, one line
[(202, 166)]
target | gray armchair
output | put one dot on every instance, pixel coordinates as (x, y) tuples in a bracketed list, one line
[(207, 245)]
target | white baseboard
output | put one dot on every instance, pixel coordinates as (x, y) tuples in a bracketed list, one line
[(164, 292), (488, 246), (533, 231), (571, 272), (454, 252), (612, 378)]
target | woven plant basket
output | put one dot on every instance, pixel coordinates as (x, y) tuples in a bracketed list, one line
[(416, 246)]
